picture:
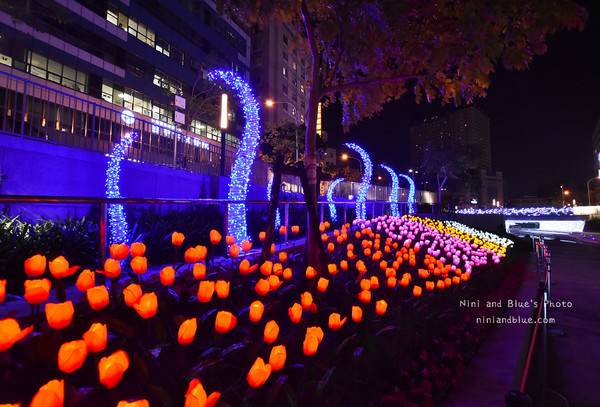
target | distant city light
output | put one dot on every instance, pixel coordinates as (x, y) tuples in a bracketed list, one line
[(567, 211)]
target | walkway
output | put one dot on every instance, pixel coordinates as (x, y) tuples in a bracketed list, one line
[(574, 356)]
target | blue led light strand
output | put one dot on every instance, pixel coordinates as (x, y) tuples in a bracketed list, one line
[(117, 221), (411, 194), (361, 196), (242, 167), (565, 211), (269, 189), (394, 192), (332, 211)]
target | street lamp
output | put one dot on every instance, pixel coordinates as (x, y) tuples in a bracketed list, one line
[(562, 194), (588, 189), (346, 157), (271, 103)]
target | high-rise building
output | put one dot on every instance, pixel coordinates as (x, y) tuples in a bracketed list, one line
[(279, 74), (596, 148), (81, 62), (467, 130)]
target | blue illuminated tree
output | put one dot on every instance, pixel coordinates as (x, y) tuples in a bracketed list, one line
[(394, 192), (332, 211)]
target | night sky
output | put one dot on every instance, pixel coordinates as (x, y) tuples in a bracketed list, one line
[(541, 120)]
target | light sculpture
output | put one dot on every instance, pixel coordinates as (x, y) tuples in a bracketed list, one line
[(411, 194), (361, 196), (117, 222), (242, 167), (269, 189), (332, 211), (394, 192)]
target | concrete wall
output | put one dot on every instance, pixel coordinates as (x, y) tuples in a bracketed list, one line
[(35, 167)]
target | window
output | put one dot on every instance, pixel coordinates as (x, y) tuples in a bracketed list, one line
[(112, 15), (285, 56), (285, 72), (163, 46), (167, 82), (294, 81), (141, 32), (56, 72), (285, 91), (285, 40), (302, 89), (294, 66), (107, 91)]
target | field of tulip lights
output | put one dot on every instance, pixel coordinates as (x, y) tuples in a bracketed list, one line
[(382, 326)]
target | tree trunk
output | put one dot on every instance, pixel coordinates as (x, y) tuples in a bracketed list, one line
[(270, 233)]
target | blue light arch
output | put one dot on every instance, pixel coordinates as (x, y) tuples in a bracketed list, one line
[(332, 211), (269, 189), (242, 167), (394, 192), (411, 194), (361, 196)]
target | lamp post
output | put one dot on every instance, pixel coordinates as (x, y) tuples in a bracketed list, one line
[(588, 189), (223, 125), (271, 103), (346, 157)]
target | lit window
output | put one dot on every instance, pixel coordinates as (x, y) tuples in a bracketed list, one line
[(285, 71), (294, 66)]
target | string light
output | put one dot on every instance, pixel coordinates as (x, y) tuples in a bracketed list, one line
[(332, 211), (394, 193), (117, 221), (565, 211), (242, 167), (269, 190), (361, 196), (411, 194)]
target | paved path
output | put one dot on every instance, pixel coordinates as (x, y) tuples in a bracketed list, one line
[(574, 357)]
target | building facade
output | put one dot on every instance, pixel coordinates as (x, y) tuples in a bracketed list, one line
[(69, 68)]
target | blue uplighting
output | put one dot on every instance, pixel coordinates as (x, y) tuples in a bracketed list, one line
[(361, 196), (242, 168), (332, 211), (394, 193), (411, 195), (269, 189)]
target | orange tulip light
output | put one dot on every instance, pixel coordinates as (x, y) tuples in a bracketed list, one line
[(429, 285), (374, 283), (215, 237), (191, 255), (71, 355), (312, 340), (274, 282), (381, 307), (271, 332), (85, 280), (139, 264), (167, 276), (282, 230), (330, 247), (177, 238), (202, 251), (11, 333), (259, 373), (199, 271), (245, 267), (295, 229), (262, 236), (295, 312), (2, 290), (135, 403), (51, 394), (234, 251), (277, 357), (246, 246), (132, 294), (256, 311), (95, 338), (119, 251), (335, 323), (97, 297), (230, 240), (111, 368), (37, 291), (224, 322), (196, 396), (206, 289), (311, 272), (59, 316), (222, 288), (357, 313), (187, 331), (287, 273), (365, 296), (282, 257), (322, 284), (112, 268), (59, 267), (344, 265), (306, 299), (138, 249), (262, 287), (147, 306), (35, 266), (417, 290), (266, 268), (332, 268)]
